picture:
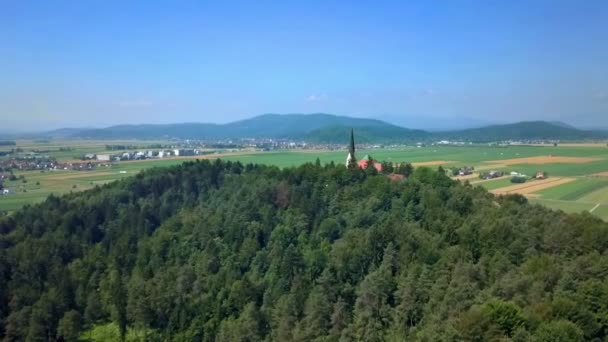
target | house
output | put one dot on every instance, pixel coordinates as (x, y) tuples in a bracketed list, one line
[(467, 170), (89, 156), (187, 152), (104, 157), (6, 191), (491, 174)]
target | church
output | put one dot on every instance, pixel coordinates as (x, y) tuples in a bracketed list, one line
[(351, 160)]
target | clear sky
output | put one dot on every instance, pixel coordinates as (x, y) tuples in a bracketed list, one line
[(96, 63)]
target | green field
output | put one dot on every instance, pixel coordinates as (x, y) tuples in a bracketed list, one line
[(583, 194), (495, 184)]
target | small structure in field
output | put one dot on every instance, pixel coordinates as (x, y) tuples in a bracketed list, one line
[(541, 175), (104, 157), (491, 175), (465, 171)]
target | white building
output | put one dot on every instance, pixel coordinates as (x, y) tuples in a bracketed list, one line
[(104, 157)]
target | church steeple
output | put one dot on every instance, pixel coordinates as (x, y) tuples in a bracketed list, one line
[(351, 161)]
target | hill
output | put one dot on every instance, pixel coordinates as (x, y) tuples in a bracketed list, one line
[(326, 128), (263, 126), (219, 251), (366, 134), (527, 130)]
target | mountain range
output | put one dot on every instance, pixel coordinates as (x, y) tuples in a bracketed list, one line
[(327, 128)]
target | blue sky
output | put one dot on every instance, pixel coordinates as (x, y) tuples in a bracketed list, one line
[(97, 63)]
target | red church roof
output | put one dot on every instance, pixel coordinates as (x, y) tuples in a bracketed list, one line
[(363, 164)]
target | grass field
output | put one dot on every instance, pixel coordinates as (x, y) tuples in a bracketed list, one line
[(584, 193), (495, 184)]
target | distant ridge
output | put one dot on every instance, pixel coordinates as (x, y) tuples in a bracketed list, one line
[(327, 128), (316, 127), (366, 134), (526, 130)]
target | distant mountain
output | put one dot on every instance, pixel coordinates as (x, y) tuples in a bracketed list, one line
[(317, 127), (437, 123), (562, 124), (366, 134), (180, 130), (327, 128), (65, 132), (527, 130)]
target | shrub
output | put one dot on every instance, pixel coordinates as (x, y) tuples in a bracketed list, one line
[(518, 179)]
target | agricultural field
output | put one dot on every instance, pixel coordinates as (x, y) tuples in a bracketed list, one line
[(581, 185)]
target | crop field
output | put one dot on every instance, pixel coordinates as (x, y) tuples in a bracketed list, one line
[(581, 165)]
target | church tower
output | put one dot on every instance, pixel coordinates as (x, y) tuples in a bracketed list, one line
[(351, 161)]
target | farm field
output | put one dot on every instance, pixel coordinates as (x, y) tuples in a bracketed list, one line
[(579, 163)]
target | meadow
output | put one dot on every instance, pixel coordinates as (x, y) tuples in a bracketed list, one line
[(588, 192)]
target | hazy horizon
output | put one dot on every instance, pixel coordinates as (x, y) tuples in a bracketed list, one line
[(415, 64)]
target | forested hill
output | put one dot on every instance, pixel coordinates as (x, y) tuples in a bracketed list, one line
[(297, 126), (527, 130), (366, 134), (218, 251), (327, 128)]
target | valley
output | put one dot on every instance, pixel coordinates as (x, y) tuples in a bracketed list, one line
[(583, 164)]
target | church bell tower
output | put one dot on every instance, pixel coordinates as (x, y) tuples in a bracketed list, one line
[(351, 161)]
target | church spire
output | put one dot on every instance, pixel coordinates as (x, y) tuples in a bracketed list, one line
[(351, 161), (351, 147)]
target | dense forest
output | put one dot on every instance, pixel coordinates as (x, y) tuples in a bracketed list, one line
[(219, 251)]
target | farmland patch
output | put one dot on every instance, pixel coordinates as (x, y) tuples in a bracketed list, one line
[(532, 186), (540, 160)]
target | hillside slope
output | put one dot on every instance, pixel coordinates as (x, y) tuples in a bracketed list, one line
[(218, 251), (327, 128), (366, 134), (263, 126), (527, 130)]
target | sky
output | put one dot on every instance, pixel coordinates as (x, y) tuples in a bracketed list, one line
[(414, 63)]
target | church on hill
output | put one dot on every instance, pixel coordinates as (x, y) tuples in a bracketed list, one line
[(367, 161)]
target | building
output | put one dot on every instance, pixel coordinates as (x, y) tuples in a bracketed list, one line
[(350, 158), (104, 157), (367, 161)]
